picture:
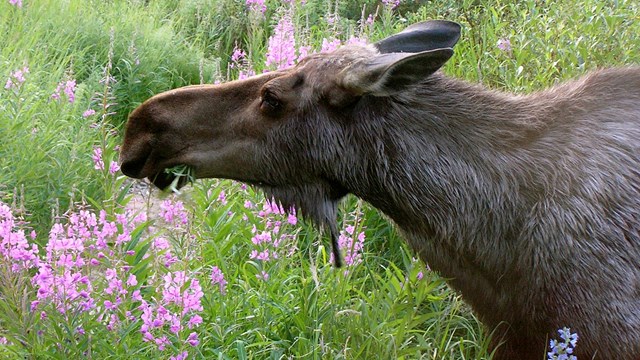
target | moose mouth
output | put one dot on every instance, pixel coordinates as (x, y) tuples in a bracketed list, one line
[(174, 178)]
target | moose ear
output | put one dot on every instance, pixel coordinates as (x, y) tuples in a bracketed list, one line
[(423, 36), (387, 74)]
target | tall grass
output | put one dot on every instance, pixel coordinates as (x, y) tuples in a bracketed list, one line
[(253, 283)]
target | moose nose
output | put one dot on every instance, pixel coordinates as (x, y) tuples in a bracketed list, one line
[(132, 167)]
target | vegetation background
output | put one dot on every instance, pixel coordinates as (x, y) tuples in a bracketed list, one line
[(89, 270)]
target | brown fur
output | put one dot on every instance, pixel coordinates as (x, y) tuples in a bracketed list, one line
[(528, 205)]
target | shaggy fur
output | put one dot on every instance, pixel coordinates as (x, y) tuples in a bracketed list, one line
[(529, 206)]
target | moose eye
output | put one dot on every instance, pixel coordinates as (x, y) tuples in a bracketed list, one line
[(269, 103)]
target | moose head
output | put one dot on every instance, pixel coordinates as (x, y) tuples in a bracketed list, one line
[(289, 132)]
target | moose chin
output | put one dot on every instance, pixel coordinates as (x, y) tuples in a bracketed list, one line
[(529, 205)]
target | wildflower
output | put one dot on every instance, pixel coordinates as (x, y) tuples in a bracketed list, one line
[(17, 3), (281, 52), (237, 56), (420, 275), (69, 89), (292, 219), (563, 350), (504, 45), (132, 280), (351, 246), (114, 167), (194, 321), (256, 6), (217, 278), (182, 356), (14, 245), (354, 40), (370, 20), (262, 276), (391, 4), (303, 52), (222, 198), (98, 164), (170, 210), (329, 46), (193, 339), (88, 113), (17, 77)]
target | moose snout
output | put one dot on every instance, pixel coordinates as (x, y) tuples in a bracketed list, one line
[(133, 167)]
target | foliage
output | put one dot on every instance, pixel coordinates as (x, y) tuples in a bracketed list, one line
[(90, 270)]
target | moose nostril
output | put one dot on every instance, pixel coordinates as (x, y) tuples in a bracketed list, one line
[(132, 168)]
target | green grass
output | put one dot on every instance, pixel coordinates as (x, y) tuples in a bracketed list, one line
[(306, 309)]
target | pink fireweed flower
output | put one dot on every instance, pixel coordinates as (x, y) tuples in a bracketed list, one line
[(132, 280), (114, 167), (504, 45), (256, 6), (263, 275), (222, 198), (17, 77), (303, 52), (292, 219), (17, 3), (69, 89), (350, 246), (330, 45), (370, 20), (217, 278), (182, 356), (193, 339), (98, 164), (171, 211), (281, 51), (14, 245), (357, 41), (194, 321), (237, 56), (392, 4), (88, 113)]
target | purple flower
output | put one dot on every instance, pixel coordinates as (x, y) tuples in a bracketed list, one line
[(329, 46), (351, 246), (563, 350), (193, 339), (17, 3), (263, 275), (238, 54), (281, 52), (69, 89), (504, 45), (17, 77), (182, 356), (98, 164), (171, 211), (256, 6), (370, 20), (88, 113), (392, 4), (222, 197), (114, 167), (217, 278)]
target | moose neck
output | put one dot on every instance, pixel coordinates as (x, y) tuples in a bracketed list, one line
[(444, 160)]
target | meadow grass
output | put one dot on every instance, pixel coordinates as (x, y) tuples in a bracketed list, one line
[(218, 272)]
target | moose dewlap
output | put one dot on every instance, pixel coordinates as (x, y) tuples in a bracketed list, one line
[(528, 205)]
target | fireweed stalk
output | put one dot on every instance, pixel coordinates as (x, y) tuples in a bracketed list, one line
[(273, 233), (88, 270)]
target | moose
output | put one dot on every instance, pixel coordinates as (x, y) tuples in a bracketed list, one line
[(528, 205)]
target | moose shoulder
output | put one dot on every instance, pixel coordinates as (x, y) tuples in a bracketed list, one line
[(528, 205)]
